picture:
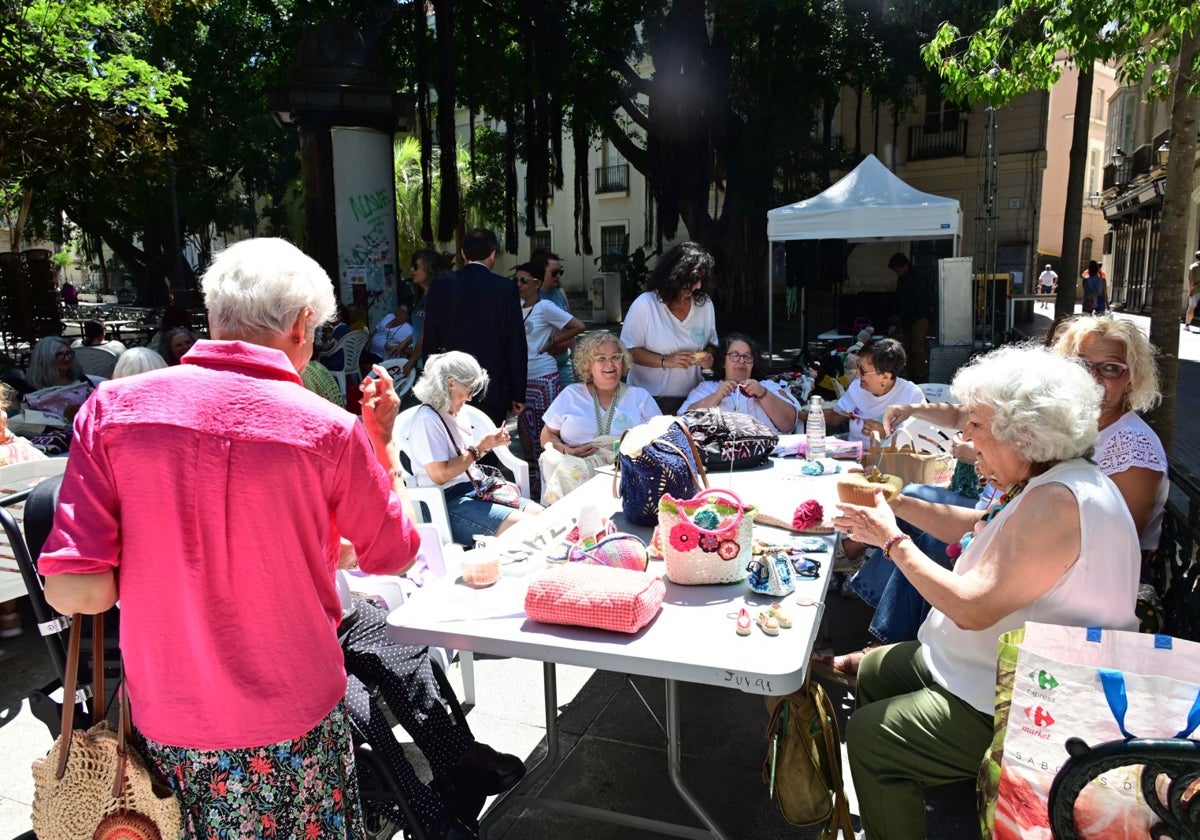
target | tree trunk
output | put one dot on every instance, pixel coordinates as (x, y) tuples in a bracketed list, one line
[(1171, 263), (1068, 265), (17, 232)]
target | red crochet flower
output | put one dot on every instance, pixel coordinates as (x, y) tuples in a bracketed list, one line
[(684, 536), (728, 550), (808, 515), (709, 542)]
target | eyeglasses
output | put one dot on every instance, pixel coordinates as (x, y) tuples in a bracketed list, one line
[(616, 359), (862, 371), (1105, 370), (760, 573), (525, 281), (739, 358), (558, 272), (64, 354)]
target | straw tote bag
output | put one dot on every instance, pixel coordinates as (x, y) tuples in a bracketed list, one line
[(94, 783), (909, 463)]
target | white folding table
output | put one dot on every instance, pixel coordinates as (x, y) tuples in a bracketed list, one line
[(691, 640)]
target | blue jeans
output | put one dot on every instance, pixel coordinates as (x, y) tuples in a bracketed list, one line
[(899, 607)]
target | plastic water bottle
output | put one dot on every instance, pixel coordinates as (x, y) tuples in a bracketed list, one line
[(814, 430)]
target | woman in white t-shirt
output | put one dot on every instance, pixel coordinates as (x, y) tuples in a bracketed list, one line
[(878, 386), (671, 328), (586, 419), (545, 324), (391, 335), (741, 390), (442, 450)]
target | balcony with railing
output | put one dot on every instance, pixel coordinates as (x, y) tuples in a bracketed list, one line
[(926, 142), (612, 179)]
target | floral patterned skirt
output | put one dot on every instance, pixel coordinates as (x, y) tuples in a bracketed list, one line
[(301, 788)]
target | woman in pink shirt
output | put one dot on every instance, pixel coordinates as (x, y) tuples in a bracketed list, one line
[(229, 610)]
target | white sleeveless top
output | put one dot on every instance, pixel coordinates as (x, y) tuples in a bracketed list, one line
[(1099, 590)]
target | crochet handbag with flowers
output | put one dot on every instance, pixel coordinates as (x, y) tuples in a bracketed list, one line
[(707, 539)]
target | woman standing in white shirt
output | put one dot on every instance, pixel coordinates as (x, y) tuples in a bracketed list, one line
[(741, 391), (671, 328), (545, 324)]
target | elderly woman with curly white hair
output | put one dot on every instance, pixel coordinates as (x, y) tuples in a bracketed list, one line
[(444, 452), (1059, 547)]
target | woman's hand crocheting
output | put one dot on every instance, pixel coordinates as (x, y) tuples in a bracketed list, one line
[(581, 451), (870, 525)]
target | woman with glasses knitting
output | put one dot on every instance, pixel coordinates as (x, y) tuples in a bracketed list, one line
[(1059, 547), (741, 390), (546, 324)]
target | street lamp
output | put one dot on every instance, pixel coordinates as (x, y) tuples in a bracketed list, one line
[(1118, 162), (1094, 200), (1163, 153)]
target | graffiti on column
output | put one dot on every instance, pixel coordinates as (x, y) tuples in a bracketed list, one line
[(371, 253)]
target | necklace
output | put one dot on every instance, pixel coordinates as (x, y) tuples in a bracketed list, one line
[(604, 426), (954, 550)]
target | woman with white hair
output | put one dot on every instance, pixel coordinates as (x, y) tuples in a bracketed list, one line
[(229, 610), (1059, 547), (137, 360), (444, 451)]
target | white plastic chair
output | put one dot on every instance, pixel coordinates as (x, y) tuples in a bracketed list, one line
[(937, 392), (13, 479), (395, 367), (352, 345), (392, 590), (481, 426)]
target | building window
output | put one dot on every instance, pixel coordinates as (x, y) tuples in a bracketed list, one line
[(614, 247), (1098, 105), (613, 173), (1093, 176), (541, 239), (1085, 251)]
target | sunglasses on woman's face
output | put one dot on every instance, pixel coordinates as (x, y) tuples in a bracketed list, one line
[(525, 281), (558, 272), (1105, 370)]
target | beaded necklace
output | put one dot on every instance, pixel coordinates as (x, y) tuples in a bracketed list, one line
[(955, 549)]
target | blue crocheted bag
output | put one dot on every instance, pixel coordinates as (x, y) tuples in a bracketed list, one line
[(655, 458)]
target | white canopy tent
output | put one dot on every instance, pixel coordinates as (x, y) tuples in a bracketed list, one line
[(868, 204)]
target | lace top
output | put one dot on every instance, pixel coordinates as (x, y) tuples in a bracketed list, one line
[(1130, 443)]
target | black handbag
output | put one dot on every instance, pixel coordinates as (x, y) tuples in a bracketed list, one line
[(728, 439), (656, 457)]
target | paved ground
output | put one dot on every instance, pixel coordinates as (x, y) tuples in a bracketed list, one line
[(613, 749)]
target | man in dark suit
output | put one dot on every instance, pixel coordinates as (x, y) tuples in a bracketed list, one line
[(479, 312)]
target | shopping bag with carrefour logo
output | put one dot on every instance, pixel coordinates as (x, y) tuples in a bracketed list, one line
[(1055, 683)]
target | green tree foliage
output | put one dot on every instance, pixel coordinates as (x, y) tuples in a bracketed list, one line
[(713, 101), (1022, 49), (76, 96)]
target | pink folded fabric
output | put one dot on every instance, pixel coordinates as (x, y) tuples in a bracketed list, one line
[(584, 595)]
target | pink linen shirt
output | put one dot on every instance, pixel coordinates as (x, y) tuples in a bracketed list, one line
[(218, 490)]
